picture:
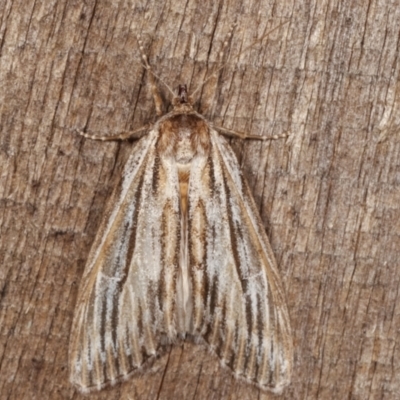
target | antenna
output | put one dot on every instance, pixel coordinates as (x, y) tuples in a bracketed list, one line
[(147, 66), (241, 52)]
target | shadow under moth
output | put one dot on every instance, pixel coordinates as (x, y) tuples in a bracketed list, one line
[(181, 251)]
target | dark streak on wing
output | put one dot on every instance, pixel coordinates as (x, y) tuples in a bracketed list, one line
[(167, 215), (139, 322), (210, 287), (103, 322), (212, 303), (132, 238), (156, 173), (236, 341), (232, 356), (222, 335), (259, 320), (161, 289)]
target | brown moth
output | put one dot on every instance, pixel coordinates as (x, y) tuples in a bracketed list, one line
[(181, 251)]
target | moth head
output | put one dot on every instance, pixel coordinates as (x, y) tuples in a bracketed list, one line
[(182, 101)]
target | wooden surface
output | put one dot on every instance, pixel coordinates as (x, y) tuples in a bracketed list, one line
[(329, 196)]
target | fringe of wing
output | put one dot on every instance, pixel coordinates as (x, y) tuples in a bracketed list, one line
[(126, 304), (239, 303)]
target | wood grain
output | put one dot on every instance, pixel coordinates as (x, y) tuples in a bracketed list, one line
[(329, 196)]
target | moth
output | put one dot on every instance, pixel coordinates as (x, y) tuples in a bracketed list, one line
[(181, 252)]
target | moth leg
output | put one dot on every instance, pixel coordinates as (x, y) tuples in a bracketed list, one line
[(136, 134), (242, 135), (156, 95)]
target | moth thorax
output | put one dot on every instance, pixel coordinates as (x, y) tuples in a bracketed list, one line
[(184, 136)]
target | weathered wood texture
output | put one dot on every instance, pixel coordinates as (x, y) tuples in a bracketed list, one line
[(329, 197)]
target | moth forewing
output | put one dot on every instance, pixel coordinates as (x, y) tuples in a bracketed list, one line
[(181, 251)]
